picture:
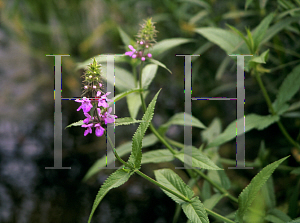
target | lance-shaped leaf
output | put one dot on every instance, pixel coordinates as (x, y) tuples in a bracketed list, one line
[(248, 195), (148, 74), (157, 156), (167, 44), (195, 211), (223, 38), (122, 150), (172, 181), (252, 121), (125, 121), (136, 154), (288, 89), (179, 119), (159, 64), (261, 29), (79, 123), (198, 160), (116, 179)]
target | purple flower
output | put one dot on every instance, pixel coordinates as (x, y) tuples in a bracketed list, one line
[(108, 118), (85, 104), (149, 55), (89, 128), (103, 99), (88, 118), (130, 53), (99, 130)]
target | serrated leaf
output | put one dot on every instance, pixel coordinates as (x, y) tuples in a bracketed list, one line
[(116, 179), (248, 195), (252, 121), (167, 44), (79, 123), (213, 201), (261, 30), (122, 150), (136, 153), (223, 38), (288, 88), (195, 211), (159, 64), (199, 159), (157, 156), (171, 180), (149, 72), (126, 121), (125, 38)]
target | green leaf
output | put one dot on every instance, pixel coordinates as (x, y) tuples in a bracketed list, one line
[(159, 64), (167, 44), (296, 171), (297, 220), (262, 58), (179, 119), (116, 179), (79, 123), (134, 103), (241, 35), (157, 156), (213, 201), (125, 121), (223, 38), (195, 211), (288, 88), (276, 215), (252, 121), (149, 72), (277, 27), (261, 30), (198, 160), (124, 94), (212, 131), (269, 194), (248, 2), (171, 180), (125, 38), (122, 150), (248, 195), (136, 153), (123, 79)]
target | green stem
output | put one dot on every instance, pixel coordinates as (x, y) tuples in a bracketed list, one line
[(117, 156), (269, 103), (219, 188), (162, 186), (220, 217), (152, 128)]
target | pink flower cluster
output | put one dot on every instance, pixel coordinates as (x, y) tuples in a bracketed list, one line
[(105, 117), (137, 54)]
